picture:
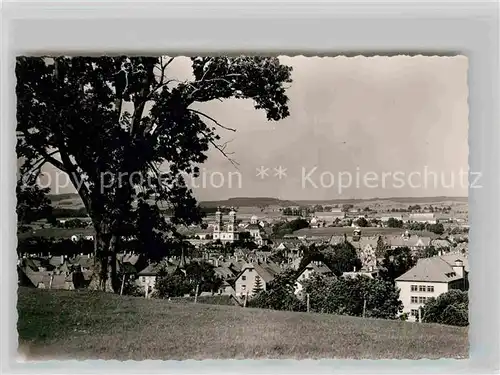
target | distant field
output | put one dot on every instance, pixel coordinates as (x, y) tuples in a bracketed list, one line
[(83, 325), (370, 231), (68, 200), (56, 233)]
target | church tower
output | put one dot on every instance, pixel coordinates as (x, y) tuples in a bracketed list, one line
[(218, 220), (232, 221)]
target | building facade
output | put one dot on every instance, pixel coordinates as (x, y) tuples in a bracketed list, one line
[(226, 233), (430, 278)]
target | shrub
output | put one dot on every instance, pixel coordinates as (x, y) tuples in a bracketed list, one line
[(450, 308)]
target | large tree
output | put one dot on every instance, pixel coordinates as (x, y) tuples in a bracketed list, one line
[(396, 262), (125, 130), (450, 308), (32, 203)]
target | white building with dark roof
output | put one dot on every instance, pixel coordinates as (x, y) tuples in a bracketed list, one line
[(254, 273), (431, 277)]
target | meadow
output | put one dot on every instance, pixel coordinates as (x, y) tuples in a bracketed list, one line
[(56, 324)]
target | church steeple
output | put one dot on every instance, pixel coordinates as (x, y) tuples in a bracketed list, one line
[(218, 220), (232, 220)]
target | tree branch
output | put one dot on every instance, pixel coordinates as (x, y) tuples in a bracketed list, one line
[(47, 157), (77, 181), (221, 150), (211, 119)]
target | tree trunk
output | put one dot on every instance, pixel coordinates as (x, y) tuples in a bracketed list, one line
[(104, 270)]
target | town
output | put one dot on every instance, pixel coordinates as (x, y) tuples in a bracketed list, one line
[(239, 253), (202, 207)]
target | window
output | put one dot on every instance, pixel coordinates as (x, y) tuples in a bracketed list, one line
[(414, 312), (144, 279), (250, 270), (414, 299), (414, 288), (243, 278), (243, 287), (422, 299), (430, 288), (421, 288)]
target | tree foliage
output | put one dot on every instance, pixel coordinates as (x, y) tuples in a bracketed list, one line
[(362, 222), (394, 223), (339, 258), (351, 296), (437, 228), (279, 294), (288, 227), (32, 203), (257, 287), (396, 262), (381, 247), (127, 132), (172, 285), (450, 308), (346, 207)]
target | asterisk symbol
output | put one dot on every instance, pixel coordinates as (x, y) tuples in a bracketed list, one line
[(262, 172), (280, 172)]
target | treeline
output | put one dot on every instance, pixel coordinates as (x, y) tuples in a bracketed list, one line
[(357, 296), (288, 227), (69, 212), (437, 228)]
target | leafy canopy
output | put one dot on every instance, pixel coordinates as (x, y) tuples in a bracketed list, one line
[(125, 131)]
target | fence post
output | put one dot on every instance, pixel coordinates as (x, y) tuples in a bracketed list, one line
[(308, 303), (196, 293), (123, 284), (364, 307)]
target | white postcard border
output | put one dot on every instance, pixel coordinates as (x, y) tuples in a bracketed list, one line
[(279, 27)]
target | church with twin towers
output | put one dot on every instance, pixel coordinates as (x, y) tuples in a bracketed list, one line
[(229, 233)]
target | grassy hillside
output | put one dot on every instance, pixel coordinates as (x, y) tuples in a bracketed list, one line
[(86, 325)]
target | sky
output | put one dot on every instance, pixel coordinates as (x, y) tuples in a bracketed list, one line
[(352, 121)]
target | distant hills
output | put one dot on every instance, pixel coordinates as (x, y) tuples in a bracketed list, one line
[(249, 202), (73, 200)]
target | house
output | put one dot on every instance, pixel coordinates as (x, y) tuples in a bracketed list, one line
[(290, 251), (385, 219), (355, 273), (225, 273), (314, 267), (414, 242), (84, 261), (441, 244), (146, 278), (428, 218), (329, 217), (253, 274), (256, 231), (361, 244), (204, 234), (431, 277), (316, 223), (45, 279), (226, 289)]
